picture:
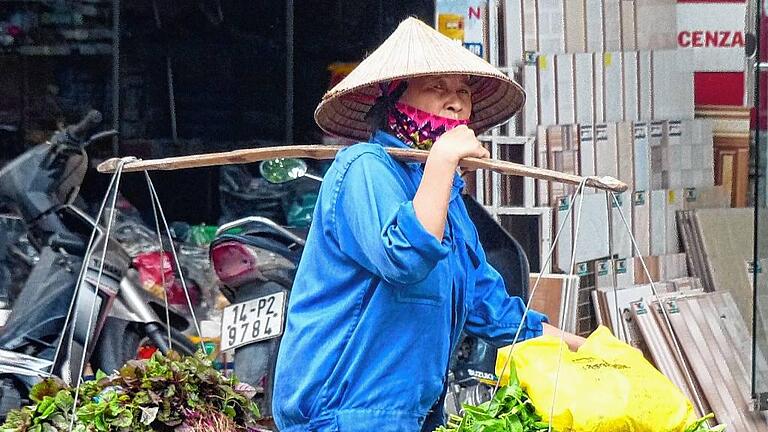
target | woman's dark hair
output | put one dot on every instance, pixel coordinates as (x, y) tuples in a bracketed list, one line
[(377, 115)]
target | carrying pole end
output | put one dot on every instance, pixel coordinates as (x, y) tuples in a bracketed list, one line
[(607, 183)]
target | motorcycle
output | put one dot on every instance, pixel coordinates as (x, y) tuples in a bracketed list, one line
[(257, 266), (41, 185), (17, 258)]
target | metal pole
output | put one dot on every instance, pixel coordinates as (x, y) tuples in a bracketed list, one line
[(755, 250), (171, 98), (621, 331), (289, 71), (116, 75)]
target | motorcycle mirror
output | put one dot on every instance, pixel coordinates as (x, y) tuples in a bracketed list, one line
[(101, 136), (282, 170)]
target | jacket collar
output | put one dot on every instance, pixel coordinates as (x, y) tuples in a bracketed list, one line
[(387, 140)]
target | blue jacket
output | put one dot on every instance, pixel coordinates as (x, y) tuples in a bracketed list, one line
[(378, 303)]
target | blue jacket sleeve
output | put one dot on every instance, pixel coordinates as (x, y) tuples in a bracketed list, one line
[(376, 225), (495, 316)]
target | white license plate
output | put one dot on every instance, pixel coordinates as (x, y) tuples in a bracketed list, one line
[(252, 321)]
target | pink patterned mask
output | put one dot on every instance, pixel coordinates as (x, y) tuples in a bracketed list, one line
[(418, 128)]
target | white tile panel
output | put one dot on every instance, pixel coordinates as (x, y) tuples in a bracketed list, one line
[(547, 94), (622, 244), (530, 83), (530, 26), (656, 24), (672, 84), (594, 23), (584, 86), (551, 24), (658, 244), (628, 36), (612, 24), (625, 153), (565, 89), (565, 241), (586, 150), (614, 87), (513, 32), (575, 26), (642, 157), (675, 203), (592, 241), (645, 86), (605, 150), (641, 221), (631, 102), (599, 87), (529, 185)]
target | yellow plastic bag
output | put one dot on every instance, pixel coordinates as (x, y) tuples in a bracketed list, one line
[(606, 386)]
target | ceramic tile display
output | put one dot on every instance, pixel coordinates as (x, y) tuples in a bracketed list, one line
[(658, 222), (599, 91), (645, 86), (547, 90), (530, 83), (613, 82), (513, 33), (672, 82), (584, 88), (656, 24), (586, 150), (606, 159), (630, 84), (628, 35), (642, 157), (565, 89), (641, 221), (575, 26), (551, 26), (612, 24), (594, 25), (530, 26)]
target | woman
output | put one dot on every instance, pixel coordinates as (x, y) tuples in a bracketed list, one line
[(393, 271)]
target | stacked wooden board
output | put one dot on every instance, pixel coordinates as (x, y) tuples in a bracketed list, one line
[(719, 244), (557, 297), (700, 342)]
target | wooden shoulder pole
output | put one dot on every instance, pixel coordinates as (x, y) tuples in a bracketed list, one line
[(329, 152)]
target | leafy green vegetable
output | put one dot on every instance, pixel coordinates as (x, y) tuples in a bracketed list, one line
[(164, 393), (510, 410)]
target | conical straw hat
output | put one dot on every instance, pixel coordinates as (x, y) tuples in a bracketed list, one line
[(416, 49)]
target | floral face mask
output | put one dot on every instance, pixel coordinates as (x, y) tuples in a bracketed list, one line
[(418, 128)]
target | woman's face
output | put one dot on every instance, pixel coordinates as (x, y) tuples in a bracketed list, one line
[(447, 96)]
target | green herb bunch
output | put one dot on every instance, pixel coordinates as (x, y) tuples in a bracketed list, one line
[(510, 409), (163, 394)]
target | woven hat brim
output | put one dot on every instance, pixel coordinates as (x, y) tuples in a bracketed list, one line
[(414, 50)]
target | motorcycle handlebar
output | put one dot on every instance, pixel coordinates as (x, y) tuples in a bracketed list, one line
[(80, 130)]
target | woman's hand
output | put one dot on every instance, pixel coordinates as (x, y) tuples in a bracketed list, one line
[(574, 342), (456, 144), (434, 193)]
